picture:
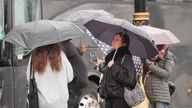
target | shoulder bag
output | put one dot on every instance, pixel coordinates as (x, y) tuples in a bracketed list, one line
[(134, 96), (33, 92)]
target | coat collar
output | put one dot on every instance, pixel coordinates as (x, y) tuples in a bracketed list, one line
[(120, 53)]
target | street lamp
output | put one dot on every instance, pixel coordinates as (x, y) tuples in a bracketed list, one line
[(140, 17)]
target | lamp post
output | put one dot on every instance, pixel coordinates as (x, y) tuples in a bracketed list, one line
[(140, 17)]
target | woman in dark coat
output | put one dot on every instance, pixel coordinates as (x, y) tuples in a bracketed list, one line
[(117, 73)]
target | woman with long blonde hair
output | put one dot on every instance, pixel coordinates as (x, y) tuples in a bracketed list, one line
[(52, 72)]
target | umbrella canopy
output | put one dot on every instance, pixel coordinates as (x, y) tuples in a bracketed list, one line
[(81, 17), (104, 29), (43, 32), (160, 36)]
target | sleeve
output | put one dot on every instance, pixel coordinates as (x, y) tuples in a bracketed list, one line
[(124, 73), (102, 67), (168, 68), (67, 67)]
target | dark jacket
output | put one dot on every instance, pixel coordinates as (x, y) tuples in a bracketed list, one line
[(120, 74), (80, 71), (156, 84)]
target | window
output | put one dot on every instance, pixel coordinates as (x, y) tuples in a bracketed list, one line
[(25, 11), (1, 23), (1, 18), (1, 37)]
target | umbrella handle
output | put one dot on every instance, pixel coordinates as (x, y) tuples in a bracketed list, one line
[(124, 32), (114, 54)]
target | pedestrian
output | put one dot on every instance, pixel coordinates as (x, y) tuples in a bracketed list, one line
[(156, 73), (80, 80), (52, 72), (118, 72)]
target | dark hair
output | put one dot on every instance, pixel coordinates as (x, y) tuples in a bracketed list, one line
[(125, 37), (41, 56)]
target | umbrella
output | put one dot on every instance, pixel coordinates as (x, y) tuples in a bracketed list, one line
[(43, 32), (160, 36), (104, 29), (80, 17)]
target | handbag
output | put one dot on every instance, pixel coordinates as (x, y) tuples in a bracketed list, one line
[(172, 88), (33, 92), (134, 96)]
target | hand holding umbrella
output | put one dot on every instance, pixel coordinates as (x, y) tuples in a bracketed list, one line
[(110, 63)]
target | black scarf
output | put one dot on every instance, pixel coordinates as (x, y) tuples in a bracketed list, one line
[(120, 53)]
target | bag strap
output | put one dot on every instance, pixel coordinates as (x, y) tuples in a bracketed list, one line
[(137, 76), (32, 76)]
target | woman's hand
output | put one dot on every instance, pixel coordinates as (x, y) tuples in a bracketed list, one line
[(81, 48), (161, 54), (98, 61), (110, 63)]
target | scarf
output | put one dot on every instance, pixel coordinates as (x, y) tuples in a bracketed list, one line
[(120, 53)]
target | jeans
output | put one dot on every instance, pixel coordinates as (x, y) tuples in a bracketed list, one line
[(159, 105)]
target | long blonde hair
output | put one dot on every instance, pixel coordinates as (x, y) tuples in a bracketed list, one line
[(41, 56)]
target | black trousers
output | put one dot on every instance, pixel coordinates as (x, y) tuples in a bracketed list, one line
[(73, 98), (116, 103)]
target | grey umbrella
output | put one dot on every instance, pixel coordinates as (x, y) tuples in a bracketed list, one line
[(104, 29), (80, 17), (43, 32)]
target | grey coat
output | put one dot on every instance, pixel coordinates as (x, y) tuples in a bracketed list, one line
[(156, 85)]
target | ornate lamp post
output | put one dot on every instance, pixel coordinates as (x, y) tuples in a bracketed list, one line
[(140, 17)]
